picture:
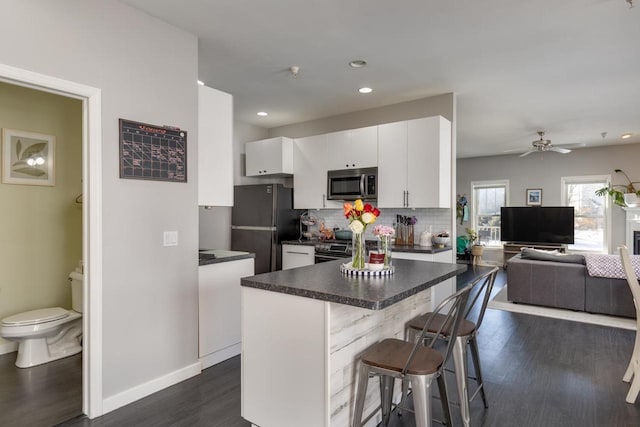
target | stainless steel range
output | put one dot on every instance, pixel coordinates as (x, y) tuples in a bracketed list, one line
[(331, 250)]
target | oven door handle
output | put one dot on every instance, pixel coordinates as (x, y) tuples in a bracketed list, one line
[(329, 257)]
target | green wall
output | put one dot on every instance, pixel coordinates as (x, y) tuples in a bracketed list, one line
[(41, 226)]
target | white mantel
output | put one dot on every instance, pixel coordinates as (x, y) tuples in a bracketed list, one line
[(632, 224)]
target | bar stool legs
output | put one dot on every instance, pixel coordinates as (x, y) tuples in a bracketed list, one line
[(475, 356), (386, 397), (462, 375), (460, 364)]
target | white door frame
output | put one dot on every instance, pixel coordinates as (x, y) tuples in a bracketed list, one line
[(91, 221)]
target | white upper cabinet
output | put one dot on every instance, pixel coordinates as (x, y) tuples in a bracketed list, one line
[(392, 165), (215, 147), (272, 156), (353, 149), (429, 163), (310, 174), (414, 166)]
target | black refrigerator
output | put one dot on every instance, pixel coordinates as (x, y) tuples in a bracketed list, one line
[(261, 218)]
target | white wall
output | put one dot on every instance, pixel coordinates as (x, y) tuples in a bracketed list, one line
[(147, 71), (545, 171), (41, 226)]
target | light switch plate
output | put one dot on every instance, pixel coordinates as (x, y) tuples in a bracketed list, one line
[(170, 238)]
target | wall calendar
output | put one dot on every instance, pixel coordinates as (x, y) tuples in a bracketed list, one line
[(157, 153)]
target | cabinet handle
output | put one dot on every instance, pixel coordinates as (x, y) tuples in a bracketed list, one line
[(299, 253), (323, 199), (407, 198)]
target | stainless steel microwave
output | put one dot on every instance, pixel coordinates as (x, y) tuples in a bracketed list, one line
[(352, 184)]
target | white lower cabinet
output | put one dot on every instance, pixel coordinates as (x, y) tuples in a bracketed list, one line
[(443, 289), (219, 309), (297, 256)]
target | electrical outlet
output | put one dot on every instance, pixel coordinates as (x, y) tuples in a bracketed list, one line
[(170, 238)]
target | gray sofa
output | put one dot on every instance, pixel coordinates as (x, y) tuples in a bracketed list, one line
[(564, 282)]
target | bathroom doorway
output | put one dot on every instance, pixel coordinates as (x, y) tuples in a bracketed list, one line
[(42, 242), (87, 204)]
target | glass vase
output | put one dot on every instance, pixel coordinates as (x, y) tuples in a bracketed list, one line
[(384, 247), (358, 251)]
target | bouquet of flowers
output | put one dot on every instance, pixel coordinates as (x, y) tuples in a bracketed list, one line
[(360, 215), (384, 233)]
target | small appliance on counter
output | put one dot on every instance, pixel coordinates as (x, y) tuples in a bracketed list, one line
[(425, 238)]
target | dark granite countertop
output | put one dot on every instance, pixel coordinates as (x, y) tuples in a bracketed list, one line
[(401, 248), (325, 282), (216, 256)]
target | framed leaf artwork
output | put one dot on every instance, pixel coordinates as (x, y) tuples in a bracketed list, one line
[(28, 158)]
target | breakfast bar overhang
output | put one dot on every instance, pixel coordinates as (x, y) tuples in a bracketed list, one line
[(303, 329)]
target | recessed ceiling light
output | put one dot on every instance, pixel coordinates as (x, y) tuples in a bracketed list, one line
[(200, 82), (626, 135), (357, 63), (365, 90), (263, 113)]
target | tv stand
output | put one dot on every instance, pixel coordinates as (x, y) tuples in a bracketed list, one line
[(513, 248)]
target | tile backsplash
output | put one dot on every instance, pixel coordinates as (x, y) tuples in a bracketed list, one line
[(438, 219)]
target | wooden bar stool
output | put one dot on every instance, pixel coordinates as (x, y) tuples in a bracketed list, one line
[(412, 362), (633, 370), (473, 315)]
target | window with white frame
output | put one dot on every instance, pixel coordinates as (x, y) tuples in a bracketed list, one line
[(592, 213), (487, 197)]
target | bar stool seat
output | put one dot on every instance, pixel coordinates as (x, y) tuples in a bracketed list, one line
[(392, 354)]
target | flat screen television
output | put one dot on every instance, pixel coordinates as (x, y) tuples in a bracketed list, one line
[(537, 224)]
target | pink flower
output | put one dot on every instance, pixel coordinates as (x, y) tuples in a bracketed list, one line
[(383, 230)]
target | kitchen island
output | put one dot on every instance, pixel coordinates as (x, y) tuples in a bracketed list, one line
[(303, 329)]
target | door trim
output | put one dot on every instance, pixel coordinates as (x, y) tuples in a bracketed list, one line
[(92, 221)]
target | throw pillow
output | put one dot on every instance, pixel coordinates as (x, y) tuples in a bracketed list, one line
[(539, 255)]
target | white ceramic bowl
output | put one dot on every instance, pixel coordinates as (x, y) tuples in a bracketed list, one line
[(441, 241)]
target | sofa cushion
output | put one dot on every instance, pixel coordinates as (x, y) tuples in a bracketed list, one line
[(538, 255), (550, 284)]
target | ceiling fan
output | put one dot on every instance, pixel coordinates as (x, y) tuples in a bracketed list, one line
[(541, 145)]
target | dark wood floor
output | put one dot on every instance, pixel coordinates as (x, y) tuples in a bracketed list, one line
[(538, 372), (209, 399), (40, 396)]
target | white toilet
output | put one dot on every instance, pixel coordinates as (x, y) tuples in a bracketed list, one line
[(47, 334)]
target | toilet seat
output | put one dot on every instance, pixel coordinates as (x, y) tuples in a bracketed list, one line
[(35, 317)]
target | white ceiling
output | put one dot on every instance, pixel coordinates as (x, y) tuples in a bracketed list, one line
[(570, 67)]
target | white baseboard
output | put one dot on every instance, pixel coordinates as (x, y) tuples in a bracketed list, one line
[(138, 392), (220, 355), (8, 347)]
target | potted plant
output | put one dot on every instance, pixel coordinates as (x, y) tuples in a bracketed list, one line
[(624, 195), (476, 247)]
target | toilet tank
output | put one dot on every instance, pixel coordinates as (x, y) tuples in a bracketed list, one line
[(76, 279)]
